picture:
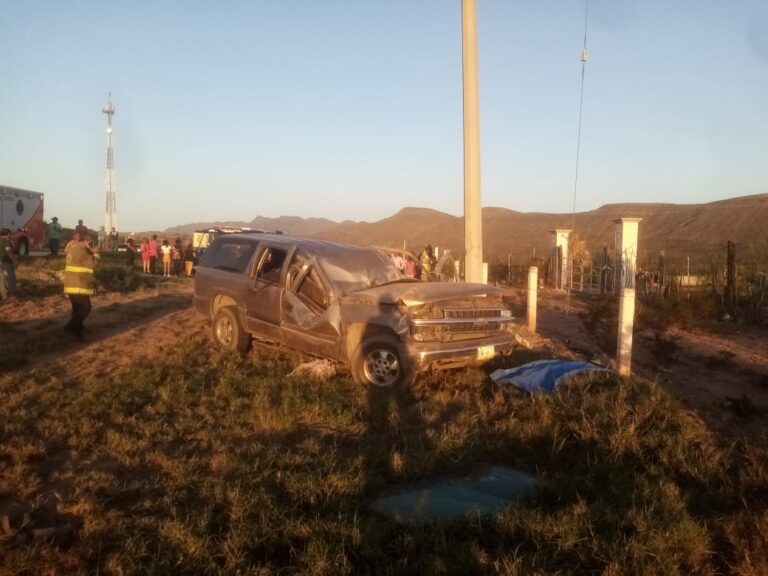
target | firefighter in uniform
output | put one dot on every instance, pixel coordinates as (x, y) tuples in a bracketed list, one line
[(79, 284), (427, 261)]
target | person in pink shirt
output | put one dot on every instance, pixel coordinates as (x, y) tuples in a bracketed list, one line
[(410, 267), (154, 245), (146, 253)]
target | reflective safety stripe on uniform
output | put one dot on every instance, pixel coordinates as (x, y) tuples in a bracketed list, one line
[(78, 269), (74, 290)]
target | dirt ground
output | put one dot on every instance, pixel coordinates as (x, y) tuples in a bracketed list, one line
[(721, 375)]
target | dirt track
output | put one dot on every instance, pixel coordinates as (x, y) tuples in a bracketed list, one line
[(120, 328), (723, 377)]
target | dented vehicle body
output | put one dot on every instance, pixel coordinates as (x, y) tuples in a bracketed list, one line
[(346, 303)]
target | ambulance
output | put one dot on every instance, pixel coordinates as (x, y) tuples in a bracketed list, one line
[(21, 211)]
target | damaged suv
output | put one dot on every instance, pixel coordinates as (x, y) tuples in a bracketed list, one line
[(349, 304)]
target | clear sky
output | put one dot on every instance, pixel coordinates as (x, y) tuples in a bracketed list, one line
[(352, 109)]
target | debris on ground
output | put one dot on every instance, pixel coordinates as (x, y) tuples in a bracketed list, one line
[(482, 494), (602, 359), (523, 342), (318, 369)]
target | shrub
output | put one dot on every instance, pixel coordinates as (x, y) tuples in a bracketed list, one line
[(119, 278)]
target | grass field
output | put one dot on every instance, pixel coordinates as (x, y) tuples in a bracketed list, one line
[(195, 462)]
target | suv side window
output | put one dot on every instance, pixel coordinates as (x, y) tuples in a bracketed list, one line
[(306, 283), (270, 265), (232, 255)]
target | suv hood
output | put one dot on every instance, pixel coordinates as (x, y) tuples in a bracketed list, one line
[(416, 294)]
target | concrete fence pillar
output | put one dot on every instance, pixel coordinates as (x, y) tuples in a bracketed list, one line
[(533, 284), (626, 269), (561, 242)]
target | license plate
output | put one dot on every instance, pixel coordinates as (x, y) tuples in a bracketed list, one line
[(486, 352)]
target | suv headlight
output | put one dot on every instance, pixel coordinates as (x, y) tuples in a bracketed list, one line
[(424, 333)]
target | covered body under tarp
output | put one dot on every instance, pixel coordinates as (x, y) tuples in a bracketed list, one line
[(543, 375), (481, 494)]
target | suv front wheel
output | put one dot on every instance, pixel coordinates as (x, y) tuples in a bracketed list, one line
[(227, 331), (379, 361)]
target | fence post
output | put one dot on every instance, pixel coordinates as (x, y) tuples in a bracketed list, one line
[(533, 285), (626, 232), (730, 280)]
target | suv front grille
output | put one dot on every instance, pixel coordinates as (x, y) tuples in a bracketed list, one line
[(461, 324), (473, 312)]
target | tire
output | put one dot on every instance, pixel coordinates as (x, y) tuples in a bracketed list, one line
[(379, 362), (227, 332), (23, 249)]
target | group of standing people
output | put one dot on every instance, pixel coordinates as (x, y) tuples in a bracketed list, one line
[(107, 241), (55, 233), (421, 268), (176, 258)]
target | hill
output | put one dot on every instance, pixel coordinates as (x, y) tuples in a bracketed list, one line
[(672, 227), (293, 225), (680, 228), (286, 224)]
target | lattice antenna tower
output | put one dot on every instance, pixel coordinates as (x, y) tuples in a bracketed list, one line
[(110, 221)]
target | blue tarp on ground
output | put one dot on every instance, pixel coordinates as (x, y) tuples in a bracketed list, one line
[(449, 499), (543, 375)]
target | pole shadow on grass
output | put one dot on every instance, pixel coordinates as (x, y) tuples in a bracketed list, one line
[(395, 441)]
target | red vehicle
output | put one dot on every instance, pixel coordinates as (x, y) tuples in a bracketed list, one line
[(21, 211)]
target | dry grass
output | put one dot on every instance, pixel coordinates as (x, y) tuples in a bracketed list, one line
[(199, 463)]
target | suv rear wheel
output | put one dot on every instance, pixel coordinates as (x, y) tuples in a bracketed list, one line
[(227, 331), (379, 361)]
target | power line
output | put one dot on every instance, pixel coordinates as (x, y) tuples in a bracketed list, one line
[(584, 57)]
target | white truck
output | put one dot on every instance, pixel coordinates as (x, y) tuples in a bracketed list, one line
[(21, 211)]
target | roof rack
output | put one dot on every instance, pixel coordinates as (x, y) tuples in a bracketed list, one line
[(257, 231)]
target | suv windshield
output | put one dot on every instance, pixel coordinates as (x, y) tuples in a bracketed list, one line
[(359, 269)]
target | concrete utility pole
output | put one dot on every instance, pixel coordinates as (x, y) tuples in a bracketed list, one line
[(473, 218)]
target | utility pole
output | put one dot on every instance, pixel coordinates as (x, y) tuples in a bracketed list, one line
[(473, 218), (110, 221)]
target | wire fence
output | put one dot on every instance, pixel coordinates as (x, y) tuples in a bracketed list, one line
[(673, 274)]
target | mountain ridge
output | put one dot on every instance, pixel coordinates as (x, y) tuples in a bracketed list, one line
[(512, 234)]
